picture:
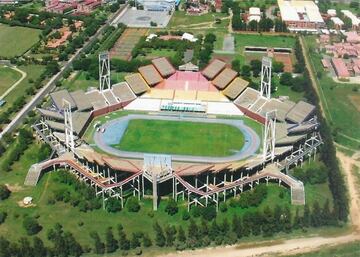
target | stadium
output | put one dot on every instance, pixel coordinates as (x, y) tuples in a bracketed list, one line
[(201, 136)]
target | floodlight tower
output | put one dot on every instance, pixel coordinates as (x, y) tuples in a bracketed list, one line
[(269, 136), (265, 87), (104, 71), (69, 131)]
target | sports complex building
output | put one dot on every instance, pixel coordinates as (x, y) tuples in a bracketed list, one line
[(85, 128)]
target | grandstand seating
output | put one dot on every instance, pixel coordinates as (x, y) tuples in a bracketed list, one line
[(213, 69), (150, 74), (137, 83)]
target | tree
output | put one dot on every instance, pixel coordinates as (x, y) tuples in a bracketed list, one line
[(209, 212), (111, 243), (246, 71), (253, 25), (124, 243), (268, 226), (133, 204), (99, 247), (286, 79), (307, 216), (277, 67), (135, 242), (5, 249), (4, 192), (193, 232), (316, 219), (113, 205), (146, 240), (255, 67), (171, 207), (3, 216), (236, 226), (235, 64), (181, 237), (39, 247), (170, 234), (31, 226), (159, 235)]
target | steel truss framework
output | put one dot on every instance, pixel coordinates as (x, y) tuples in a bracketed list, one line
[(269, 136), (104, 71), (265, 85)]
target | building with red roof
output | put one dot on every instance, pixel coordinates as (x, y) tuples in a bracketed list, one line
[(340, 68)]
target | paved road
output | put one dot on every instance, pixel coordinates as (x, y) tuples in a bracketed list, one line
[(51, 84), (113, 129)]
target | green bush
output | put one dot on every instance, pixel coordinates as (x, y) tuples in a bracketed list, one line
[(4, 192), (132, 204), (31, 226)]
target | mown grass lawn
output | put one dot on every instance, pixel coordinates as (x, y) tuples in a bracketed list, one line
[(8, 77), (80, 81), (185, 138), (15, 41), (33, 72), (242, 40)]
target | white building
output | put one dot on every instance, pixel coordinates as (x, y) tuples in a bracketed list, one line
[(189, 37), (331, 12), (301, 15), (354, 20), (254, 14), (337, 22)]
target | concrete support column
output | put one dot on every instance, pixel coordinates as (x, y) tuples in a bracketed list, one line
[(155, 193)]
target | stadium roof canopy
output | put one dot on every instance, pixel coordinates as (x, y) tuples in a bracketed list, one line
[(300, 112), (150, 74), (281, 107), (61, 95), (163, 66), (82, 102), (213, 69), (224, 78), (123, 92), (50, 114), (96, 99), (247, 98), (80, 120), (137, 83)]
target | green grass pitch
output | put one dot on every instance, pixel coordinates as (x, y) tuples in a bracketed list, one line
[(184, 138), (15, 41)]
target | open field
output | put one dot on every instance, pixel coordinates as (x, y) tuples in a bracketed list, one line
[(8, 77), (79, 81), (181, 19), (342, 114), (242, 40), (33, 72), (183, 138), (124, 45), (15, 41), (156, 53)]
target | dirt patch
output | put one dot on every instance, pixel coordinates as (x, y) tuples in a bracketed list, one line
[(14, 188), (355, 100), (286, 60), (22, 205)]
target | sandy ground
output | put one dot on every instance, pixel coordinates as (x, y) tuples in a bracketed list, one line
[(299, 245)]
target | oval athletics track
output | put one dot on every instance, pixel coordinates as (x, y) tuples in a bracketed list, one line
[(115, 129)]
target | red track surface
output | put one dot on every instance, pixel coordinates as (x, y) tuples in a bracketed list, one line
[(182, 80)]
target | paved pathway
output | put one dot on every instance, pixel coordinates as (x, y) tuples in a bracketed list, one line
[(23, 76), (110, 136)]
